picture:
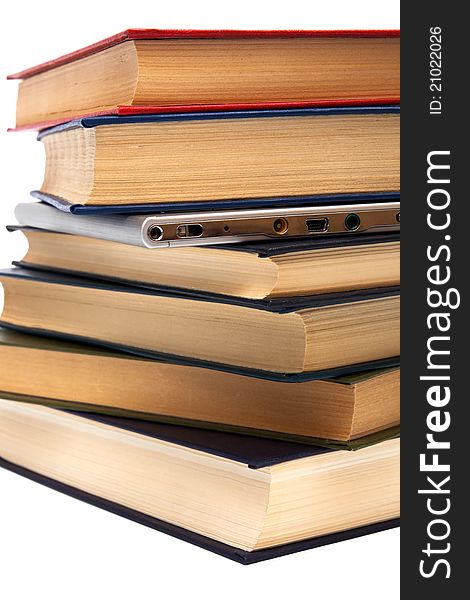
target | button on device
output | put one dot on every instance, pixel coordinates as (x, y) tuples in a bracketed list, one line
[(191, 230)]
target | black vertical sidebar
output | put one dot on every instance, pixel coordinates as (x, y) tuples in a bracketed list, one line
[(435, 258)]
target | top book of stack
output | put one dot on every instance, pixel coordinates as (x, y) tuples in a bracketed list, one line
[(141, 71)]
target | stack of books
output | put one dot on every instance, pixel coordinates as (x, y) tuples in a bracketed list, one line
[(174, 347)]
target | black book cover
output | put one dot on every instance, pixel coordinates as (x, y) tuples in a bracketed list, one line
[(254, 452), (279, 305), (262, 249), (232, 204), (231, 552), (276, 247)]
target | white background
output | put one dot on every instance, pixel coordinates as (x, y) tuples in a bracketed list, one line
[(54, 547)]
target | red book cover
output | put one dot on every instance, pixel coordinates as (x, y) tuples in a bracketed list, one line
[(124, 111), (155, 34), (160, 34)]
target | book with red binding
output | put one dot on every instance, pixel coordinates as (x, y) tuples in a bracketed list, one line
[(153, 71)]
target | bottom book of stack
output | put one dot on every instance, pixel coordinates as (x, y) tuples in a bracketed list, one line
[(244, 497)]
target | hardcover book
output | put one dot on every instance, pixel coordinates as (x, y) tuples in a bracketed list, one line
[(151, 70), (305, 336), (245, 158), (349, 411), (256, 270), (246, 498)]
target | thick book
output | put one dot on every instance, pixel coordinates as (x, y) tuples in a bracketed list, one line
[(305, 336), (246, 498), (153, 70), (246, 158), (254, 270), (348, 412)]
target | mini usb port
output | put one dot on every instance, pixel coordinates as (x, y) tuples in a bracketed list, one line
[(317, 224)]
